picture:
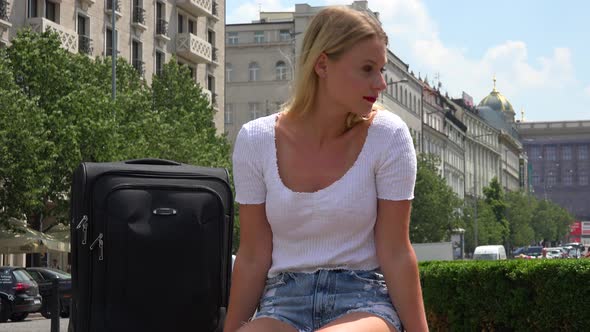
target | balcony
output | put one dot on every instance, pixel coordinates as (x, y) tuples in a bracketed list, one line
[(139, 19), (84, 45), (68, 38), (109, 8), (86, 3), (198, 7), (4, 23), (193, 48), (162, 30), (139, 66)]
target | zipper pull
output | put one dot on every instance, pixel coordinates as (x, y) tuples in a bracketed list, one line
[(100, 245), (84, 224)]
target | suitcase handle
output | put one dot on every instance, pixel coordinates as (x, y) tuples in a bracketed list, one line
[(152, 161)]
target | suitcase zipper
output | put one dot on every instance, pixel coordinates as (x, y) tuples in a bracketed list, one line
[(100, 246), (84, 225)]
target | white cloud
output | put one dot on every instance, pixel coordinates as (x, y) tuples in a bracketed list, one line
[(410, 27)]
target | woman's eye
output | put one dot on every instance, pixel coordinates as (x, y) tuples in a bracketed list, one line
[(382, 70), (368, 69)]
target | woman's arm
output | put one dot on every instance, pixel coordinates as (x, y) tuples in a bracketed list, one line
[(398, 262), (250, 267)]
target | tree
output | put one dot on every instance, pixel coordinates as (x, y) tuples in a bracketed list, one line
[(61, 105), (494, 199), (550, 221), (435, 206), (519, 212)]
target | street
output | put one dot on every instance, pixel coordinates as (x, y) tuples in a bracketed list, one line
[(33, 323)]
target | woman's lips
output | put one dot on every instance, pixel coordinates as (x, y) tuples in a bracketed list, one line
[(370, 99)]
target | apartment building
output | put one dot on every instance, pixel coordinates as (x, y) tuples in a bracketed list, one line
[(148, 34), (261, 58)]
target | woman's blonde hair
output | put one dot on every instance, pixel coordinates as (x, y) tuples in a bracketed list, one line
[(333, 31)]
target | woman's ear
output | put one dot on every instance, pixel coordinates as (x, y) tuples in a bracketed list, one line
[(321, 65)]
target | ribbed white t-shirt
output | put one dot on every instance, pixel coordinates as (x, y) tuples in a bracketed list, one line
[(332, 228)]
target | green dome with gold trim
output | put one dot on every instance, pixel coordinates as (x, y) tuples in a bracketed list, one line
[(496, 101)]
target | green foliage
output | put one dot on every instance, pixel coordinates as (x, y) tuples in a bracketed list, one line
[(58, 112), (515, 295), (494, 199), (435, 205)]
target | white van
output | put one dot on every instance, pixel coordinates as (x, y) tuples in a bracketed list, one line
[(489, 253)]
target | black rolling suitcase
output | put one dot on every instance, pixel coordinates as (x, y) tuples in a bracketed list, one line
[(151, 246)]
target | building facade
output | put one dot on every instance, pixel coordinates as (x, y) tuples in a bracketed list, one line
[(148, 34), (559, 157), (497, 111), (261, 59)]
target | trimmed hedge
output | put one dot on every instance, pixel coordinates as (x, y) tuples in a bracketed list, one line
[(510, 295)]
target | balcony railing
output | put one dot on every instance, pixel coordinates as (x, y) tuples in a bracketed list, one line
[(68, 38), (84, 44), (161, 27), (193, 48), (4, 10), (198, 7), (139, 66), (139, 15)]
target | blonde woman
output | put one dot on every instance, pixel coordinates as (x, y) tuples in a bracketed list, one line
[(325, 189)]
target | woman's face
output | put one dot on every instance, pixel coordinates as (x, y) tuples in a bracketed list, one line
[(353, 82)]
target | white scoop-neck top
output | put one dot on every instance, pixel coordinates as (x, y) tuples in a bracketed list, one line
[(332, 228)]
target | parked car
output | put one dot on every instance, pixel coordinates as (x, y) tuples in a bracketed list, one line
[(556, 252), (534, 251), (44, 277), (19, 294), (489, 253)]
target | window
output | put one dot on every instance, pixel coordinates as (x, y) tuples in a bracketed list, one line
[(568, 179), (180, 23), (535, 152), (259, 37), (160, 58), (84, 43), (566, 153), (284, 35), (582, 152), (161, 24), (232, 38), (550, 152), (52, 11), (192, 27), (109, 42), (551, 180), (536, 180), (33, 8), (583, 180), (136, 56), (228, 114), (281, 71), (253, 70), (211, 83), (229, 68), (254, 110)]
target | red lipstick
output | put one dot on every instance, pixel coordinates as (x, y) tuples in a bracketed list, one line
[(370, 99)]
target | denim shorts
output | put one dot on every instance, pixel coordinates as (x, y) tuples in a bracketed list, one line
[(309, 301)]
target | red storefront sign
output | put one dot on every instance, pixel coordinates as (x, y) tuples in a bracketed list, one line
[(576, 228)]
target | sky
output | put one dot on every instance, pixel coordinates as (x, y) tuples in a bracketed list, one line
[(538, 50)]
